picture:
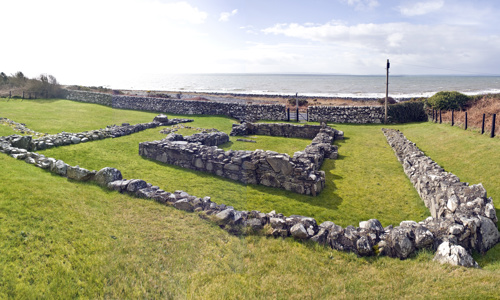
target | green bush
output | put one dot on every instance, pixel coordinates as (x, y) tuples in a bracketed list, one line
[(449, 100), (302, 102), (390, 100), (405, 112)]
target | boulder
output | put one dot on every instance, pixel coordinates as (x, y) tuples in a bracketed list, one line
[(136, 185), (79, 174), (60, 168), (299, 231), (107, 175), (184, 204), (454, 255), (225, 216)]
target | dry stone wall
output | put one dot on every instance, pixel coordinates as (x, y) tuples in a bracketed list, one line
[(90, 97), (299, 173), (346, 114), (462, 214), (280, 129)]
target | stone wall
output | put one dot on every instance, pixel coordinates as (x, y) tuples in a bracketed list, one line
[(90, 97), (184, 107), (462, 214), (245, 112), (346, 114), (299, 173), (280, 129)]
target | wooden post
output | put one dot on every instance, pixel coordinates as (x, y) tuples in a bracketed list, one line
[(297, 105), (386, 89), (288, 113), (452, 117), (440, 117), (493, 125), (465, 120), (433, 115), (482, 127)]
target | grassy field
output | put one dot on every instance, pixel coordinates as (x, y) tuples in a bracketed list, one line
[(62, 239)]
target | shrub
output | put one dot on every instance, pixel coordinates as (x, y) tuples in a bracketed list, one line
[(449, 100), (302, 102), (405, 112), (390, 100)]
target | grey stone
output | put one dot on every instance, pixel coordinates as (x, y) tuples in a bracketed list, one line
[(298, 231), (225, 216), (184, 204), (107, 175), (454, 255)]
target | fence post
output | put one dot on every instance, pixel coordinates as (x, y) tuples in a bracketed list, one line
[(465, 120), (482, 127), (433, 115), (493, 125), (297, 114), (288, 113), (307, 114), (440, 117), (452, 117)]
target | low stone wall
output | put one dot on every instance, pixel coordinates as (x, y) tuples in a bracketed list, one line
[(90, 97), (462, 214), (45, 141), (194, 107), (299, 173), (184, 107), (346, 114), (280, 129)]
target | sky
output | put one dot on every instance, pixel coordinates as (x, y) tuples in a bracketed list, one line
[(86, 41)]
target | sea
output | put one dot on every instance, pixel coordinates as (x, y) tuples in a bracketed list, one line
[(314, 85)]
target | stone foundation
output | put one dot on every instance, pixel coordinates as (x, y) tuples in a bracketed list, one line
[(299, 173)]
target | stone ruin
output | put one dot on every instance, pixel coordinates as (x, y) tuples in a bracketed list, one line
[(299, 174), (463, 217)]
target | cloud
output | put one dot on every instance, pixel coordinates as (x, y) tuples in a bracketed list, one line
[(362, 4), (421, 8), (445, 45), (224, 16)]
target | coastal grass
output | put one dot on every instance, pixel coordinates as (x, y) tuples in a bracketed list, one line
[(64, 239)]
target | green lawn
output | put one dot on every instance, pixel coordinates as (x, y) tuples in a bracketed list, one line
[(66, 239)]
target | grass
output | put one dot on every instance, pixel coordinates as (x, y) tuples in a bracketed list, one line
[(66, 239)]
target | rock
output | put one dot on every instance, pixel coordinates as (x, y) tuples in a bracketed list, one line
[(489, 234), (423, 237), (225, 216), (60, 168), (135, 185), (107, 175), (298, 231), (364, 246), (254, 224), (184, 204), (321, 236), (399, 244), (454, 255), (75, 140), (161, 119), (372, 224), (79, 174)]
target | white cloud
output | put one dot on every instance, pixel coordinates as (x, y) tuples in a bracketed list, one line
[(421, 8), (362, 4), (224, 16), (432, 45)]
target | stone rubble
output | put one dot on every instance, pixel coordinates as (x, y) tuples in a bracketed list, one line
[(300, 173)]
